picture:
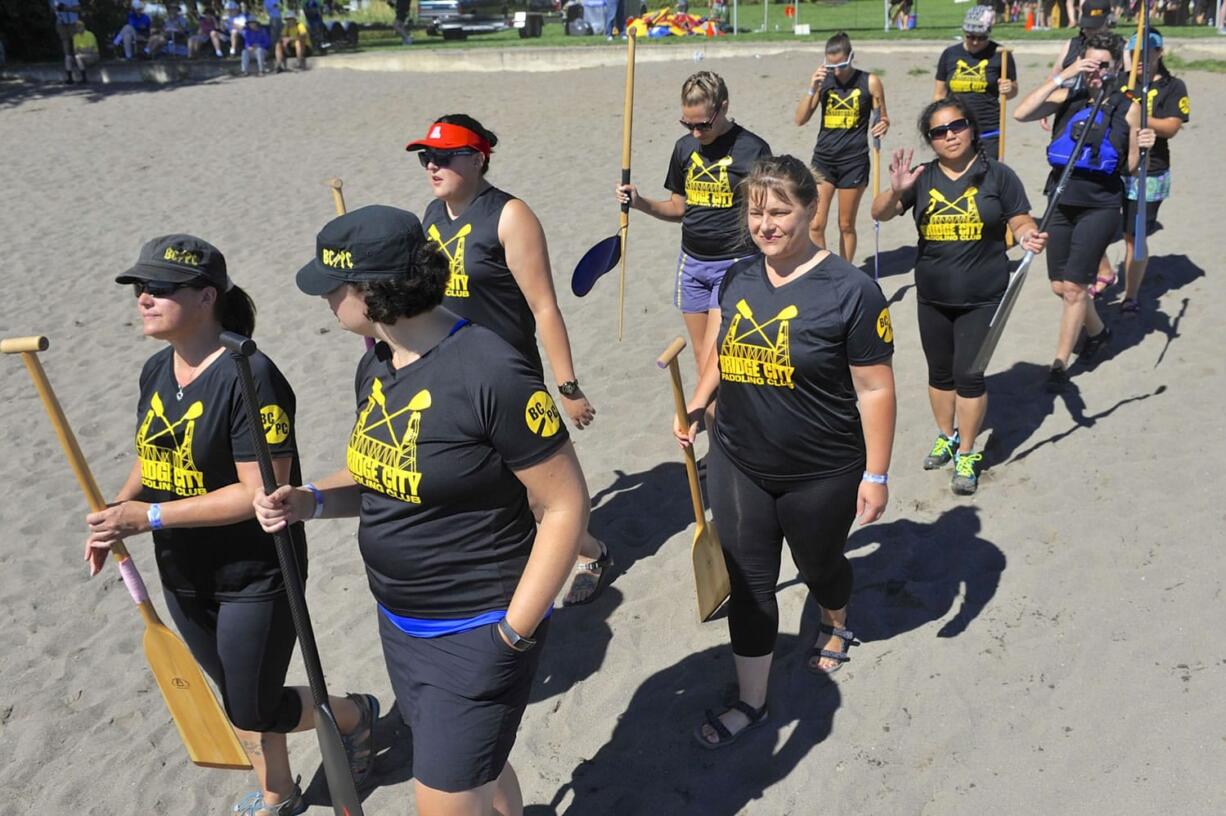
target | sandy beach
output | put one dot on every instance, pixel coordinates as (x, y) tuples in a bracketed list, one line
[(1052, 645)]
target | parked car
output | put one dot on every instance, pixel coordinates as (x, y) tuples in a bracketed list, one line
[(456, 19)]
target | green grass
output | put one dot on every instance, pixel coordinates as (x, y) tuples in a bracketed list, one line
[(1215, 66), (917, 71)]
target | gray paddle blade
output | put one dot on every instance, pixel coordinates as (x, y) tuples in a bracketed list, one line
[(344, 794), (997, 327)]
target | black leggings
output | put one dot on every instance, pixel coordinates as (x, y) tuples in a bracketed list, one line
[(951, 337), (245, 646), (753, 516)]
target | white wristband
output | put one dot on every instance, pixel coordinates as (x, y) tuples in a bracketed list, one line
[(875, 478), (1057, 82), (319, 500)]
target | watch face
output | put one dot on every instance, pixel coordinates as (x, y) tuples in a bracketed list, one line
[(568, 389)]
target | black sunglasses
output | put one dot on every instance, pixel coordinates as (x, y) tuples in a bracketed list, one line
[(975, 37), (159, 289), (701, 127), (955, 127), (441, 158)]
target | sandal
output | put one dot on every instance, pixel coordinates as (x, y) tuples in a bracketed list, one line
[(591, 574), (842, 657), (360, 749), (1130, 307), (757, 716), (254, 805), (1101, 284)]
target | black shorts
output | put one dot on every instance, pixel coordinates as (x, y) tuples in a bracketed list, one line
[(844, 174), (1151, 217), (1077, 239), (462, 696)]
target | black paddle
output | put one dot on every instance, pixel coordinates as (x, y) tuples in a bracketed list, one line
[(997, 327), (345, 801)]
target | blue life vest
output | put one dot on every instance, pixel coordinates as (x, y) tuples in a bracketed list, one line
[(1098, 154)]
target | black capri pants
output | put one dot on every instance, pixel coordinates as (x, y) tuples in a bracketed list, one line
[(753, 517), (245, 646), (1077, 239), (951, 337)]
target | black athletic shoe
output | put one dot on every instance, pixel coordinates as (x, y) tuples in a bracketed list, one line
[(1057, 378), (1093, 345)]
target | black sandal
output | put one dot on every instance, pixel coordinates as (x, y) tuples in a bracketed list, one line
[(359, 746), (601, 567), (757, 716), (842, 657)]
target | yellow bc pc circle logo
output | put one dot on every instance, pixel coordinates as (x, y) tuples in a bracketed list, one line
[(884, 329), (542, 415), (276, 424), (1185, 107)]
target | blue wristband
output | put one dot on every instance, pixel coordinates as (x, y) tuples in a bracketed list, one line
[(875, 478), (319, 500), (154, 515)]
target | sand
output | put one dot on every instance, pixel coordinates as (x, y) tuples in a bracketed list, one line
[(1051, 645)]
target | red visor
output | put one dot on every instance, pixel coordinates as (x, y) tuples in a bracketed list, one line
[(443, 136)]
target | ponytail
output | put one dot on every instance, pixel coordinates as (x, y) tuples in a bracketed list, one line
[(235, 311)]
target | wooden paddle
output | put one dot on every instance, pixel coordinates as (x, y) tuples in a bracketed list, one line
[(624, 223), (876, 117), (206, 733), (338, 200), (1142, 19), (710, 571), (1000, 147)]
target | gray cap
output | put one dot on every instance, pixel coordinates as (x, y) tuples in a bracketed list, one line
[(978, 20)]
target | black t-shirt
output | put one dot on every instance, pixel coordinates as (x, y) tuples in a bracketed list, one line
[(1087, 188), (481, 287), (187, 441), (446, 528), (787, 406), (708, 177), (961, 225), (975, 79), (1168, 98), (846, 109)]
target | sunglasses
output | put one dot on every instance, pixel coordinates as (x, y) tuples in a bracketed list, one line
[(1103, 66), (701, 127), (940, 131), (836, 66), (159, 289), (975, 37), (442, 158)]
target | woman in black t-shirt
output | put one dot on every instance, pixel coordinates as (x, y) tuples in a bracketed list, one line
[(803, 429), (704, 177), (972, 70), (963, 203), (1169, 108), (1086, 219), (500, 279), (846, 97), (192, 485), (454, 429)]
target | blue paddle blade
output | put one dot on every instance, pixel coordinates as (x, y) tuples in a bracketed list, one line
[(595, 263)]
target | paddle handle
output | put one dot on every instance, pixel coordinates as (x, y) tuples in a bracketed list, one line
[(1140, 250), (669, 360), (876, 117), (338, 197), (1004, 103), (624, 224), (1136, 51)]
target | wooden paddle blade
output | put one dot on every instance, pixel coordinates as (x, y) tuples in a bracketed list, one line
[(595, 263), (207, 734), (345, 799), (710, 572)]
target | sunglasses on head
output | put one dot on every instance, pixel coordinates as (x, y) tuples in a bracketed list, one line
[(955, 127), (701, 127), (159, 289), (442, 158)]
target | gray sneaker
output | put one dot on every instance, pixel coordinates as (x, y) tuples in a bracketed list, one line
[(942, 451), (966, 473)]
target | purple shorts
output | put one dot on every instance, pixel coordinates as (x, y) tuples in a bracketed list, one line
[(698, 281)]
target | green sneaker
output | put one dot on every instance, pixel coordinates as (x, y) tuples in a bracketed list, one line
[(942, 451), (966, 473)]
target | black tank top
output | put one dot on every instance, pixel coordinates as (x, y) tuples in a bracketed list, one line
[(1076, 50), (482, 287), (845, 113)]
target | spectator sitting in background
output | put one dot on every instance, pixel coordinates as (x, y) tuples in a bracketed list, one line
[(135, 32), (67, 15), (172, 31), (296, 34), (258, 44), (209, 32), (235, 21), (84, 48)]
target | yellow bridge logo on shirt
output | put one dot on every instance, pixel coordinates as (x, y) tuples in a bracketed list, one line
[(542, 415), (757, 353), (453, 249), (707, 185), (382, 452), (164, 447), (841, 112), (956, 220), (276, 424), (885, 329), (969, 78)]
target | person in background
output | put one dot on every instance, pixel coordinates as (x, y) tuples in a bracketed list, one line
[(174, 29), (67, 15), (401, 23), (84, 49), (617, 17), (293, 33), (209, 32), (235, 21), (972, 70), (135, 31), (256, 44), (275, 23)]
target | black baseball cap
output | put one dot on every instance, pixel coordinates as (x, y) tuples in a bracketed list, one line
[(368, 244), (1095, 14), (179, 258)]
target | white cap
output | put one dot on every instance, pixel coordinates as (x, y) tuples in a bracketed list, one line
[(137, 5)]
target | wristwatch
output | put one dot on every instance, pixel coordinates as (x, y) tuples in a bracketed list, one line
[(516, 641), (570, 388)]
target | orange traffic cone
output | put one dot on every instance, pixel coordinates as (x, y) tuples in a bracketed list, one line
[(1029, 20)]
